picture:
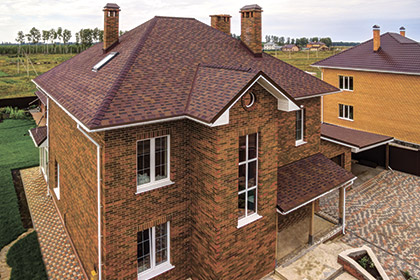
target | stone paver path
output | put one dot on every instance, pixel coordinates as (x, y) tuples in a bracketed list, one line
[(59, 258), (384, 214)]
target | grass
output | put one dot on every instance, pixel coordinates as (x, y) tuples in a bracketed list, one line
[(25, 258), (18, 84), (303, 59), (17, 151)]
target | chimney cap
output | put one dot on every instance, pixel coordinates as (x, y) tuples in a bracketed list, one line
[(251, 7), (402, 28), (376, 27), (223, 15), (112, 6)]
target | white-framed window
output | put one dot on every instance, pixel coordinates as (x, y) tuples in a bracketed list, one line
[(300, 126), (43, 161), (345, 112), (153, 251), (57, 181), (248, 179), (153, 163), (345, 82)]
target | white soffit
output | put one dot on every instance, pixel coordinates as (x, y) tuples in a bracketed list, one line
[(283, 102)]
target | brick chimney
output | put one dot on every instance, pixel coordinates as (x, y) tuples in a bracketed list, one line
[(376, 38), (221, 22), (111, 30), (251, 28), (402, 31)]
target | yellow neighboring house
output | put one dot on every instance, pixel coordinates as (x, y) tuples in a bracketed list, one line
[(380, 83)]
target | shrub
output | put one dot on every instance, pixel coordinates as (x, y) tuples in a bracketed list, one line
[(14, 113)]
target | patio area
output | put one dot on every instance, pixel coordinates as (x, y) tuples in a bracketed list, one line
[(60, 260)]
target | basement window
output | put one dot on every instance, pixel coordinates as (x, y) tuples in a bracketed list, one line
[(104, 61)]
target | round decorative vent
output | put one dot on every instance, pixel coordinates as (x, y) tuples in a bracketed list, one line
[(248, 100)]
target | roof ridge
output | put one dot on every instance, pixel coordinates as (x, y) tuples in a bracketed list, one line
[(337, 54), (172, 17), (225, 67), (113, 91)]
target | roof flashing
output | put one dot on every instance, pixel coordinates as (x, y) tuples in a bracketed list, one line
[(104, 61)]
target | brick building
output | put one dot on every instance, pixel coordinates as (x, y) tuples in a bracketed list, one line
[(177, 162), (380, 83)]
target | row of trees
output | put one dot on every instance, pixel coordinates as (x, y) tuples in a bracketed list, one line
[(302, 42), (53, 38)]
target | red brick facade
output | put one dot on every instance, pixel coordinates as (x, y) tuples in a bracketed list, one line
[(221, 22), (251, 33), (201, 205), (331, 150)]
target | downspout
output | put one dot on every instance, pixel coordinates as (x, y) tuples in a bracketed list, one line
[(98, 150), (48, 146), (344, 208)]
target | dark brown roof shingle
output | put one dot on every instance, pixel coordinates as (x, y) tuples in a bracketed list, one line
[(396, 54), (38, 134), (308, 178), (155, 75)]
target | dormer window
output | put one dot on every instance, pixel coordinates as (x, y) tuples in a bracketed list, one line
[(104, 61)]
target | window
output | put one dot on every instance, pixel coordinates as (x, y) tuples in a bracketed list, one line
[(44, 161), (248, 178), (345, 82), (345, 112), (57, 180), (104, 61), (153, 163), (153, 251), (300, 115)]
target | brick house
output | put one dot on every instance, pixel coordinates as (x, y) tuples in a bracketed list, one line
[(380, 83), (181, 162)]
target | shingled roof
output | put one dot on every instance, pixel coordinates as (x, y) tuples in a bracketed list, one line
[(396, 54), (166, 67)]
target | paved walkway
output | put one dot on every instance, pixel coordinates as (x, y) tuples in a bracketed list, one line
[(384, 214), (59, 258)]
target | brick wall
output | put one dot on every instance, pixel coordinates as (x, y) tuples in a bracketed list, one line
[(76, 156), (285, 221), (382, 102), (251, 30), (331, 150), (126, 213)]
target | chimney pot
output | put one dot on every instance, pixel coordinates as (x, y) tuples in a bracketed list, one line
[(111, 22), (402, 31), (376, 38), (221, 22), (251, 33)]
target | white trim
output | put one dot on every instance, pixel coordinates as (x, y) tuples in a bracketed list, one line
[(154, 269), (366, 70), (247, 220), (283, 102), (355, 149), (344, 210), (346, 109), (98, 166), (318, 95), (341, 118), (48, 130), (153, 184), (343, 78), (300, 142), (302, 127), (57, 189), (345, 185)]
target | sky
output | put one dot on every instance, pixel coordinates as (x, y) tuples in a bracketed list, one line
[(342, 20)]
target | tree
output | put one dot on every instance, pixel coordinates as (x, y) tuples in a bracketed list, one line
[(95, 34), (281, 41), (314, 39), (288, 41), (86, 37), (36, 36), (53, 37), (101, 35), (66, 36), (59, 35), (292, 42), (46, 37), (267, 38), (327, 41), (20, 37)]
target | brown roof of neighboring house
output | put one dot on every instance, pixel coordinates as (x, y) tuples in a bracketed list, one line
[(306, 179), (42, 97), (396, 54), (38, 134), (353, 137), (157, 74), (289, 46)]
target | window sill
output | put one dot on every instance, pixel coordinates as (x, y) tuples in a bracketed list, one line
[(247, 220), (300, 142), (149, 274), (154, 185), (350, 90), (346, 119), (57, 193)]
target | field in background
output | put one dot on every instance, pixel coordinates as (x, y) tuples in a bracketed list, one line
[(303, 59), (14, 84)]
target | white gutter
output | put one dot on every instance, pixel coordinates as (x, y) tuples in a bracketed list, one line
[(345, 185), (98, 150), (355, 149), (366, 70), (317, 95), (344, 208)]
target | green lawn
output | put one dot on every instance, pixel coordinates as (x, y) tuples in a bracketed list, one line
[(16, 82), (17, 151)]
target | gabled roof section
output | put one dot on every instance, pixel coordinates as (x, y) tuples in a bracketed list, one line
[(397, 54), (154, 77), (38, 135), (42, 97)]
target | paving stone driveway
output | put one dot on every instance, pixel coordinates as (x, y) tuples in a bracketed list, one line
[(384, 214)]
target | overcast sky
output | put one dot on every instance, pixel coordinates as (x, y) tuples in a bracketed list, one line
[(349, 20)]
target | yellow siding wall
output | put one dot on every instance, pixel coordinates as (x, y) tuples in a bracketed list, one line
[(383, 103)]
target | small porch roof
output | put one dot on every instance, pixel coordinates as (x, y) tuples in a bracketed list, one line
[(357, 140), (38, 135), (307, 179), (42, 97)]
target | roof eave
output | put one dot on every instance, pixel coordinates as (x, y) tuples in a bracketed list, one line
[(365, 69)]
